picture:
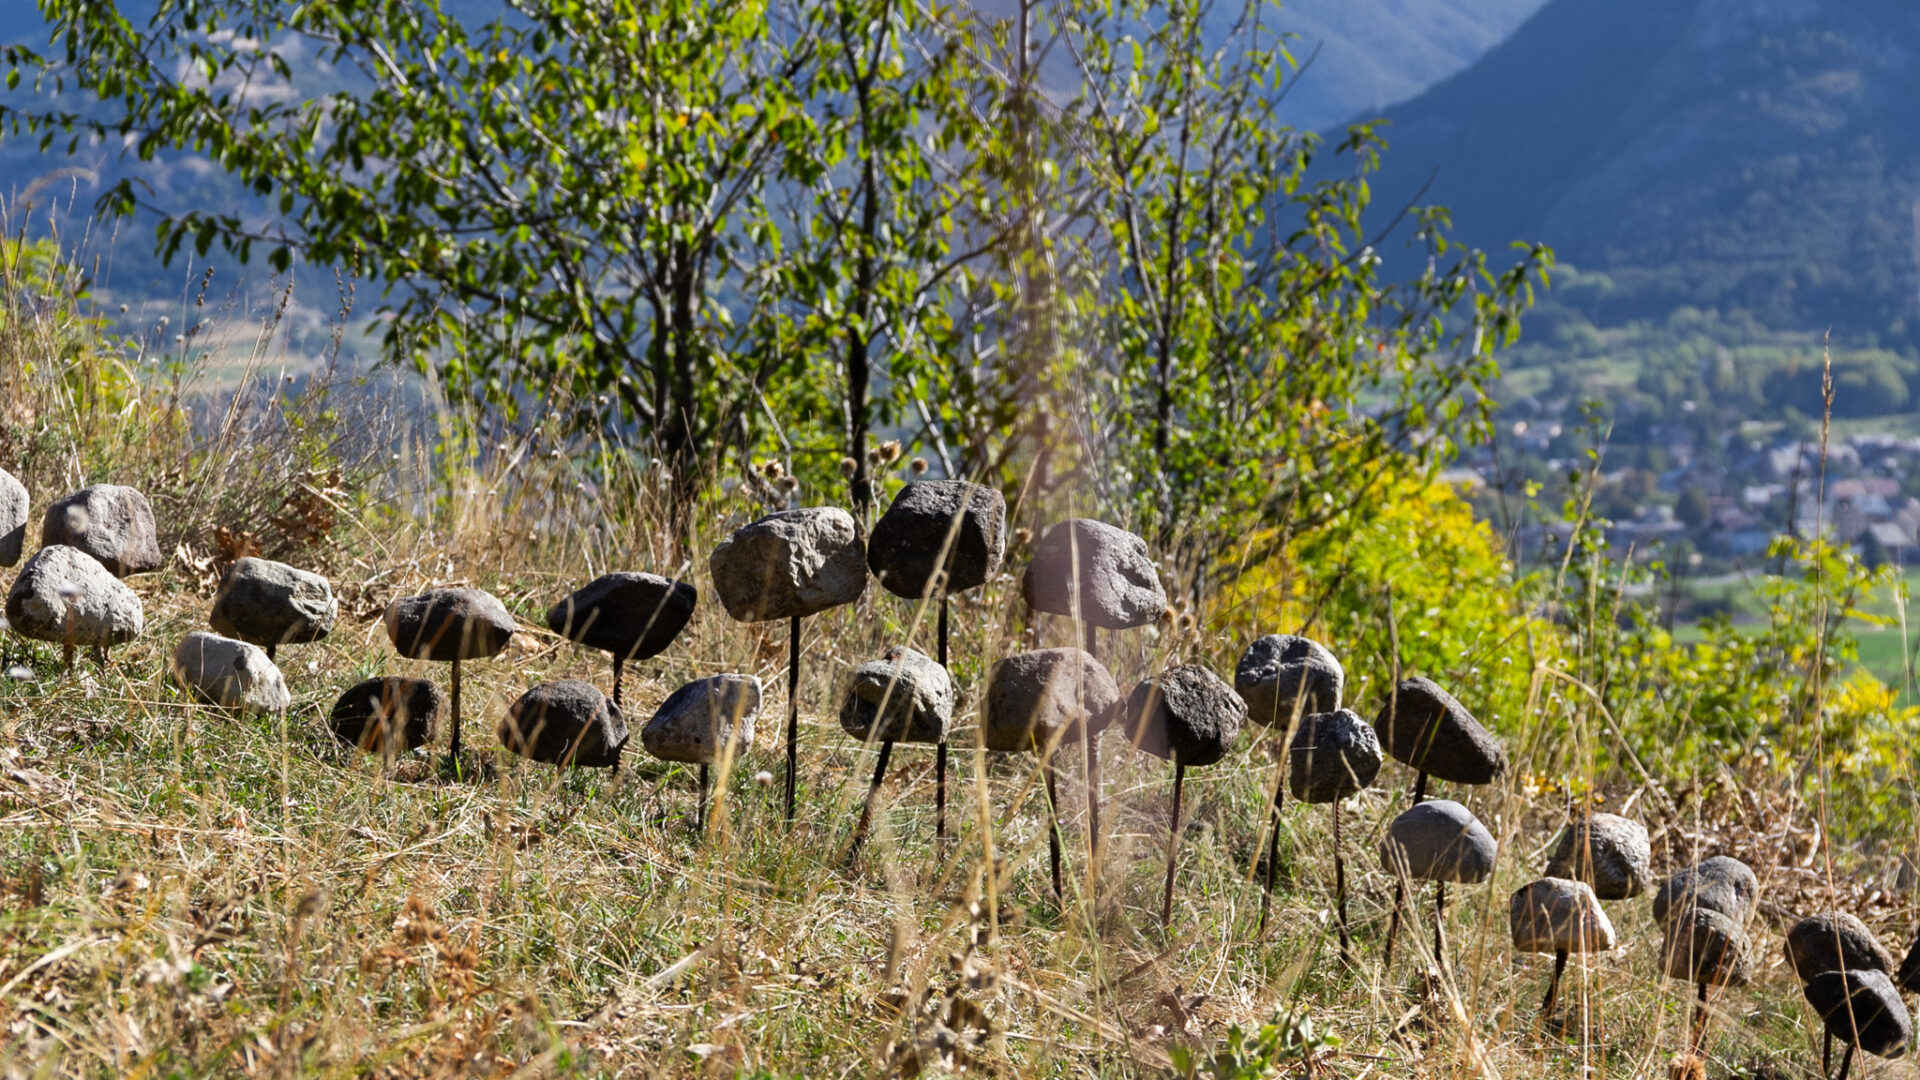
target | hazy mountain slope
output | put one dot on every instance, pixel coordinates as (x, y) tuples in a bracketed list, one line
[(1757, 154)]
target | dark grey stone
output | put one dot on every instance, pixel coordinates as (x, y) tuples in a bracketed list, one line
[(564, 723), (1282, 676), (14, 509), (1705, 946), (1333, 755), (271, 603), (449, 624), (1909, 974), (113, 524), (103, 610), (907, 697), (633, 616), (1185, 714), (1608, 852), (1862, 1008), (966, 521), (1834, 941), (1117, 586), (1424, 727), (1439, 840), (698, 721), (231, 674), (1557, 915), (388, 716), (1035, 700), (790, 565), (1721, 884)]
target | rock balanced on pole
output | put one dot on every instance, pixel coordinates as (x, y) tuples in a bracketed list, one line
[(568, 723), (388, 716), (705, 723), (788, 566), (1186, 715), (1611, 854), (231, 674), (1833, 941), (270, 604), (64, 596), (1426, 729), (1283, 677), (1439, 841), (15, 506), (1703, 910), (1037, 702), (1558, 916), (938, 538), (906, 697), (449, 625), (1102, 577), (633, 616), (1862, 1009), (114, 524), (1333, 755)]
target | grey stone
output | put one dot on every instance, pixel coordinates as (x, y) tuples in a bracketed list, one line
[(270, 603), (1424, 727), (1862, 1008), (633, 616), (1185, 714), (231, 674), (700, 720), (566, 723), (790, 565), (1608, 852), (1909, 975), (1333, 755), (1555, 915), (13, 518), (103, 610), (1282, 676), (1036, 700), (1721, 884), (907, 697), (1439, 840), (966, 521), (1116, 587), (449, 624), (1705, 946), (1834, 941), (113, 524), (389, 715)]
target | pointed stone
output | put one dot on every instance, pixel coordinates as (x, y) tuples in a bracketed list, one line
[(1424, 727), (231, 674), (14, 508), (1557, 915), (698, 722), (270, 603), (61, 583), (1862, 1008)]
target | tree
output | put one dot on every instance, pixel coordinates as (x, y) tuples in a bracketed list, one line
[(1693, 509)]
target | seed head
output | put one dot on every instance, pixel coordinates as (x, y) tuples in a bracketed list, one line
[(790, 483), (919, 465), (1022, 535), (848, 466), (763, 778), (773, 469), (890, 450)]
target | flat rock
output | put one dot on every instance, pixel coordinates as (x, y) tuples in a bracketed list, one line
[(13, 518), (1282, 676), (567, 722), (967, 522), (1608, 852), (634, 616), (390, 715), (113, 524), (271, 603), (1333, 755), (907, 697), (1555, 915), (1705, 946), (1038, 700), (1862, 1008), (1185, 714), (1439, 840), (449, 624), (1424, 727), (698, 722), (1721, 884), (229, 673), (1096, 571), (790, 565), (1834, 941), (102, 610)]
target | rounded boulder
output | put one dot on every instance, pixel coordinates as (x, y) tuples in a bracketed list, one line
[(1185, 714), (114, 524), (270, 603), (1439, 840), (1608, 852), (790, 565), (1282, 676), (1332, 755), (1099, 572), (388, 716), (938, 524), (1038, 700), (449, 624), (1703, 946), (1862, 1008), (1834, 941), (565, 723), (14, 509), (700, 721), (231, 674), (1722, 883), (907, 697)]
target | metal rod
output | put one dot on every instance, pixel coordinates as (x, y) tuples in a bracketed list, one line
[(1400, 886), (453, 703), (271, 647), (1173, 847), (1439, 925), (1273, 852), (1700, 1020), (1092, 748), (940, 752), (793, 710), (1340, 888), (866, 811), (1053, 827), (700, 814), (1846, 1062), (1826, 1054), (1420, 788), (1553, 985), (619, 666)]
